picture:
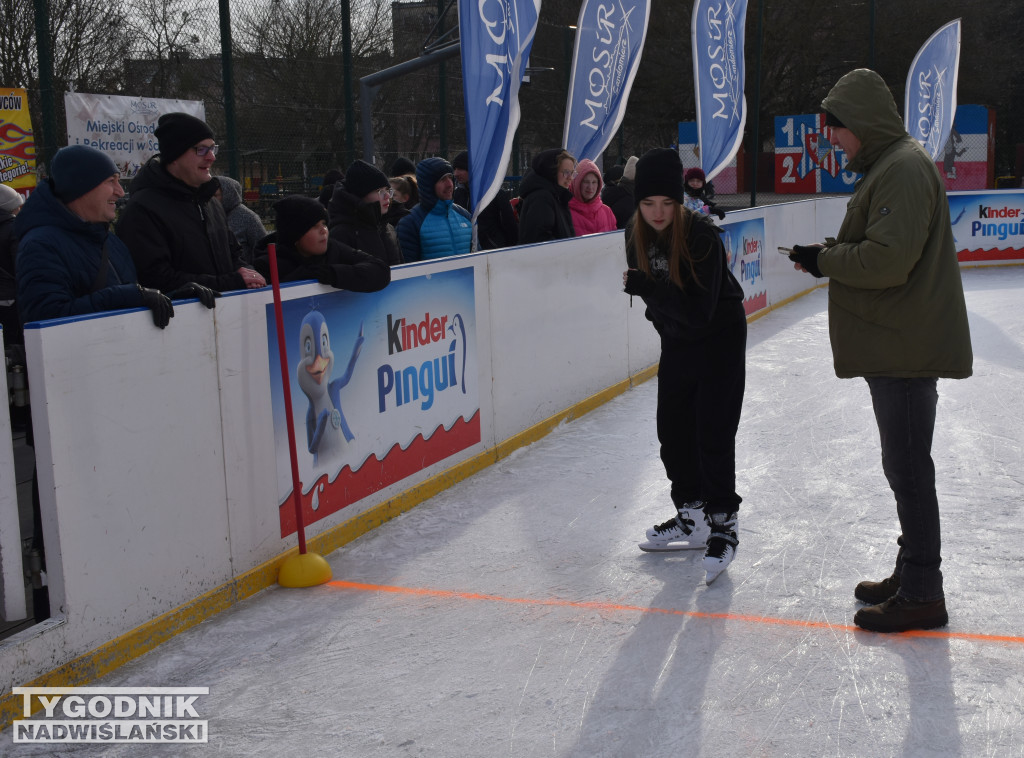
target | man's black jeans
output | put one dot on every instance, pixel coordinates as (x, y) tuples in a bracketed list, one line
[(905, 412)]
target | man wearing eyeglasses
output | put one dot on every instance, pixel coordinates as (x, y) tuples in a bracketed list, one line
[(175, 229)]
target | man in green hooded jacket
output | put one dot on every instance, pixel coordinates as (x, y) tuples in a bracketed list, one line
[(897, 317)]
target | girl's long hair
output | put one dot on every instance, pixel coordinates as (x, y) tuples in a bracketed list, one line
[(673, 237)]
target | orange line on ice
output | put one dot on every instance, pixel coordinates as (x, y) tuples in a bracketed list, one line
[(618, 607)]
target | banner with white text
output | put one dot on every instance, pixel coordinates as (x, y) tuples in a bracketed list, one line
[(717, 31), (120, 126), (930, 103), (496, 37), (609, 43), (385, 385)]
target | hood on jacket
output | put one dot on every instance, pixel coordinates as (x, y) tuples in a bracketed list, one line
[(862, 101), (230, 193), (584, 167), (545, 164), (153, 175), (428, 172), (44, 209)]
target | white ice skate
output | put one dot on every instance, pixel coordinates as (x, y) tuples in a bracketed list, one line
[(685, 531), (721, 545)]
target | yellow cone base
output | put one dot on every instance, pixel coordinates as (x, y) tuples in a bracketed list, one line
[(304, 570)]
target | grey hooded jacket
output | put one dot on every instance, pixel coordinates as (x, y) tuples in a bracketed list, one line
[(243, 222)]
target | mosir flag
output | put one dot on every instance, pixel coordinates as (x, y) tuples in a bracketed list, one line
[(609, 42), (931, 89), (496, 39), (717, 40)]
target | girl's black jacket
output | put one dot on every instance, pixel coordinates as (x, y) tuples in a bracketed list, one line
[(705, 305)]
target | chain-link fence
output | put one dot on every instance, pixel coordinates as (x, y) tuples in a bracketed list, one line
[(280, 78)]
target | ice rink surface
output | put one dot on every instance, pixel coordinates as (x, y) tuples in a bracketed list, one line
[(513, 615)]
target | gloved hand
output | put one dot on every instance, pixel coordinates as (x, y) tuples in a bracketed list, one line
[(638, 283), (807, 256), (719, 213), (207, 296), (159, 303), (325, 275)]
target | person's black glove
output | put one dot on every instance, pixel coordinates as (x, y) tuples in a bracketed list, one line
[(719, 213), (638, 283), (324, 274), (159, 303), (807, 256), (206, 296)]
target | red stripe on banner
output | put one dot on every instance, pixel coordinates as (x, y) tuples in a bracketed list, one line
[(991, 254), (326, 497), (756, 303)]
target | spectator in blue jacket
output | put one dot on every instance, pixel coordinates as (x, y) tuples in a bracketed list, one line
[(436, 227), (69, 263)]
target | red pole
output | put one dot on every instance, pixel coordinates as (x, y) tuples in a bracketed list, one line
[(286, 384)]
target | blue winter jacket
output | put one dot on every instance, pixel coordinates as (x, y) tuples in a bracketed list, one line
[(59, 258), (434, 228)]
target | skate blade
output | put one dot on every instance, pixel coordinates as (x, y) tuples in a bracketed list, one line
[(669, 547), (713, 574)]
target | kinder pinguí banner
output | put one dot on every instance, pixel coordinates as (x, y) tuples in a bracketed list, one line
[(988, 226), (17, 144), (121, 126), (384, 385), (744, 242)]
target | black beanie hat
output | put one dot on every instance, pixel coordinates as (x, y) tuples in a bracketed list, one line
[(76, 169), (659, 172), (403, 166), (296, 215), (831, 120), (362, 178), (177, 132), (461, 161)]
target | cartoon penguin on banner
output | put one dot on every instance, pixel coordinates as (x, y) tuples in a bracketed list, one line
[(327, 432)]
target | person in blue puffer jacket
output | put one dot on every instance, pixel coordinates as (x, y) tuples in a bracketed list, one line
[(436, 227)]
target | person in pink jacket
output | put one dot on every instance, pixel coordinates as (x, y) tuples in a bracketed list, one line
[(589, 214)]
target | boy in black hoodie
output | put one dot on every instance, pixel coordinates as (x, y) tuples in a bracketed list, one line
[(305, 250)]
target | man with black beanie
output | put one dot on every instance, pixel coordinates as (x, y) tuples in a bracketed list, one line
[(69, 263), (175, 229)]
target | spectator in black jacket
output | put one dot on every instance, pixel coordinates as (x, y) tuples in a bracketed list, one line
[(10, 203), (175, 230), (331, 178), (496, 225), (618, 196), (305, 250), (544, 198), (358, 213), (68, 262)]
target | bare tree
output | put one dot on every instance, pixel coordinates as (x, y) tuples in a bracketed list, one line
[(289, 73)]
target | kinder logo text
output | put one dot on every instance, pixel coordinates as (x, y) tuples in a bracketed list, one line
[(987, 224), (750, 263), (435, 369), (111, 714)]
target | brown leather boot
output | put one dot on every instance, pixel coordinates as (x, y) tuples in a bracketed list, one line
[(874, 593), (897, 614)]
